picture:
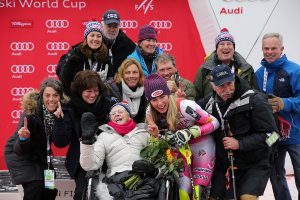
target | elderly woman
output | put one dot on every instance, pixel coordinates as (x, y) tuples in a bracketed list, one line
[(190, 124), (90, 54), (27, 150), (88, 94), (128, 85), (119, 144)]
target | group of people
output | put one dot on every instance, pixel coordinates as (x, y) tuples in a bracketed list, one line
[(113, 95)]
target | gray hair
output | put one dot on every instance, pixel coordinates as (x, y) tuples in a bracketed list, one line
[(164, 58), (53, 83), (275, 35)]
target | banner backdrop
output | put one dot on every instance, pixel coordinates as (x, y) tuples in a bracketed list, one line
[(35, 33)]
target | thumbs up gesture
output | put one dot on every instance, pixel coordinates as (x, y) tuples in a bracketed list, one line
[(23, 132)]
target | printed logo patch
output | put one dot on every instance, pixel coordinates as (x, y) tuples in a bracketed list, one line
[(157, 93)]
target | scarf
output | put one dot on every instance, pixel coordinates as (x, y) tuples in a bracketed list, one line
[(48, 120), (133, 98), (123, 129)]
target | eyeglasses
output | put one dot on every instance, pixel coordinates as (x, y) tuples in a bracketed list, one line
[(120, 111)]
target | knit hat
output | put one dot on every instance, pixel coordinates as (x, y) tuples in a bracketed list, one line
[(111, 16), (92, 26), (155, 86), (147, 32), (224, 35), (124, 104), (221, 74)]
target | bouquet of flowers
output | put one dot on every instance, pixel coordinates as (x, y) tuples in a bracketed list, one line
[(161, 155)]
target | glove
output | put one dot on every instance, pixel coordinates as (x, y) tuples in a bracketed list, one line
[(182, 136), (89, 127), (144, 169), (276, 103)]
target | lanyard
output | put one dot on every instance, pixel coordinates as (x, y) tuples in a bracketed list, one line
[(265, 80), (48, 146), (232, 105)]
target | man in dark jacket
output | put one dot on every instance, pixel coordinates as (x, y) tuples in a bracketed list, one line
[(244, 139), (224, 54), (118, 43)]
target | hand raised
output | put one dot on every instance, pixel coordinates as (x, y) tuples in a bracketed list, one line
[(59, 113), (152, 127), (24, 132)]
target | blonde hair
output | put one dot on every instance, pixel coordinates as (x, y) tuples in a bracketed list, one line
[(125, 64), (172, 113)]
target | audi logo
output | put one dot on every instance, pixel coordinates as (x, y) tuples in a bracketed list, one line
[(165, 46), (20, 91), (22, 69), (129, 24), (57, 23), (21, 46), (51, 69), (16, 114), (161, 24), (57, 46)]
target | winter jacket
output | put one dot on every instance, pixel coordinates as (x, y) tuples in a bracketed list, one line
[(120, 49), (27, 159), (291, 109), (137, 54), (67, 130), (250, 119), (76, 61), (202, 78), (118, 151), (116, 91)]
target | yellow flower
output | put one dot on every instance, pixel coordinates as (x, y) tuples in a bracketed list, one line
[(169, 155)]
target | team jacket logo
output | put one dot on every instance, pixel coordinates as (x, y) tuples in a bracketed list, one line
[(165, 46), (20, 91), (161, 24), (51, 69), (57, 46), (130, 24), (21, 46), (22, 69), (16, 114), (57, 23)]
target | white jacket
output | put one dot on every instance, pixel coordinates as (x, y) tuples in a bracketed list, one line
[(118, 151)]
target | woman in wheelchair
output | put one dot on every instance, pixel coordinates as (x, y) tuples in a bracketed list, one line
[(119, 145)]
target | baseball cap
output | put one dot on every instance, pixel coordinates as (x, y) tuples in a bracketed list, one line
[(111, 16), (221, 74)]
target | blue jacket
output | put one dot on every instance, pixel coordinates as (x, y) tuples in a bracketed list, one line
[(136, 54), (291, 110)]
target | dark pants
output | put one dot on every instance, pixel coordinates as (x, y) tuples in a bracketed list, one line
[(33, 190), (80, 182)]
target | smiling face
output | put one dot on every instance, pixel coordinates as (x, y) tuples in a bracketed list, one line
[(272, 49), (166, 70), (225, 51), (94, 40), (131, 76), (160, 103), (148, 45), (119, 115), (90, 95), (51, 98)]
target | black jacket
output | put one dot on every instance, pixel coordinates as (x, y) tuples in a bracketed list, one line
[(76, 61), (249, 122), (27, 159), (67, 130), (121, 48)]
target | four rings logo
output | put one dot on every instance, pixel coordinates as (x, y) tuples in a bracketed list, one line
[(161, 24), (57, 46), (21, 46), (51, 69), (20, 91), (129, 24), (57, 23), (22, 69), (165, 46), (16, 114)]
